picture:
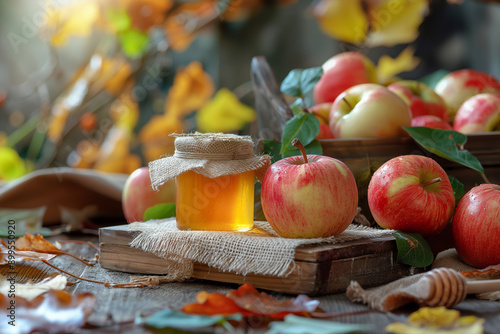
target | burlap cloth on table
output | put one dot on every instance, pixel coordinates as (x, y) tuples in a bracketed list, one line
[(258, 251), (391, 296)]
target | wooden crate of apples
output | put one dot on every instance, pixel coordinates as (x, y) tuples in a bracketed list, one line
[(400, 185)]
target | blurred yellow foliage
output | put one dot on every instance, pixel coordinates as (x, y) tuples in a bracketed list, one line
[(437, 320), (224, 113), (72, 19), (371, 22), (191, 89), (155, 139), (12, 165), (388, 67)]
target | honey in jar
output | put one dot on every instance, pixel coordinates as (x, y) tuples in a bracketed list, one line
[(224, 203), (215, 176)]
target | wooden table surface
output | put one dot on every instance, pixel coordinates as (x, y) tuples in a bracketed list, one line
[(117, 307)]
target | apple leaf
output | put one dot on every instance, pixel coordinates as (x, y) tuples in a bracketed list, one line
[(293, 324), (272, 148), (447, 144), (312, 148), (458, 188), (160, 211), (413, 250), (304, 127), (299, 82)]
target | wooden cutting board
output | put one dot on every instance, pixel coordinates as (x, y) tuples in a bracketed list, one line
[(320, 269)]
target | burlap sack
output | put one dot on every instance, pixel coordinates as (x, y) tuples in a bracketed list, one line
[(208, 154)]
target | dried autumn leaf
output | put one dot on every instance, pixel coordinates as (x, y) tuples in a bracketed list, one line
[(490, 272), (215, 304), (71, 19), (224, 113), (248, 298), (117, 72), (342, 20), (31, 290), (8, 255), (394, 22), (191, 89), (388, 67), (30, 242), (54, 312), (437, 320)]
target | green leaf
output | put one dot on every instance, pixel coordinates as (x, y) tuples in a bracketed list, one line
[(433, 78), (313, 148), (458, 188), (293, 324), (300, 81), (179, 320), (304, 127), (272, 148), (160, 211), (119, 20), (134, 42), (413, 250), (447, 144)]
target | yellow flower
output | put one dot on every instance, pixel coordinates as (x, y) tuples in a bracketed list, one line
[(437, 320), (11, 164), (224, 113)]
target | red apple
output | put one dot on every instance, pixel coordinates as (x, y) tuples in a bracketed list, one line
[(431, 121), (458, 86), (311, 196), (322, 111), (411, 193), (138, 195), (368, 110), (342, 71), (421, 99), (480, 113), (476, 226)]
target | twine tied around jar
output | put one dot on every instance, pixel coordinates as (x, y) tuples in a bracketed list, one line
[(209, 154)]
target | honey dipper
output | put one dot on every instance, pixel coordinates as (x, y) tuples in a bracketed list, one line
[(447, 287)]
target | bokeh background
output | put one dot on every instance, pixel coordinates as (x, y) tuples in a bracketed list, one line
[(101, 83)]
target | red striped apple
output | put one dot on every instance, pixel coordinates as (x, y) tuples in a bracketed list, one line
[(480, 113), (421, 99), (476, 226), (458, 86), (309, 196), (138, 195), (368, 110), (431, 121), (322, 111), (342, 71), (411, 193)]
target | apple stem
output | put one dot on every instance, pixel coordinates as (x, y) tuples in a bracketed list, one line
[(346, 102), (428, 183), (298, 144), (484, 178)]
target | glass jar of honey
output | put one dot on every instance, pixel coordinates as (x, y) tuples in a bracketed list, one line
[(214, 176)]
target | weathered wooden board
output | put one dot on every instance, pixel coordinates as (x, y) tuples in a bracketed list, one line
[(320, 269)]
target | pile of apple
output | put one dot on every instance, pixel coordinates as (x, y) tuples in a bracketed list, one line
[(349, 102), (316, 196)]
